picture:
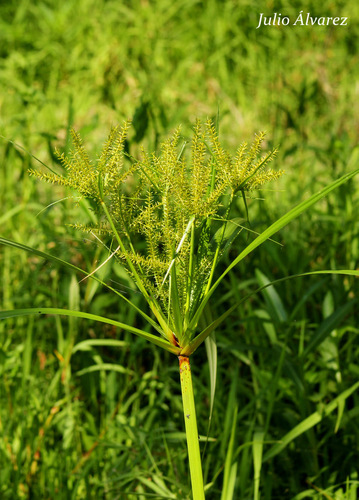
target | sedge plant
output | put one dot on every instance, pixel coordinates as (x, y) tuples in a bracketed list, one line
[(167, 218)]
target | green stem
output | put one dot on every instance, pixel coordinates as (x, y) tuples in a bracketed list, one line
[(189, 412)]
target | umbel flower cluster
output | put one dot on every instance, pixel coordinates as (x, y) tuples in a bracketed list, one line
[(167, 214)]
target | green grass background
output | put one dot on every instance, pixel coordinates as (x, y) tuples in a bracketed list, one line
[(79, 421)]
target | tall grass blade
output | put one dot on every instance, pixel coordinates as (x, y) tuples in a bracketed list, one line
[(309, 422), (257, 448), (230, 467)]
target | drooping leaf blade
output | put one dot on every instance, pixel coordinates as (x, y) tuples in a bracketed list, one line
[(197, 341), (86, 345), (79, 314), (64, 263)]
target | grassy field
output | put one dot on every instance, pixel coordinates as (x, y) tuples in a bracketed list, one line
[(88, 411)]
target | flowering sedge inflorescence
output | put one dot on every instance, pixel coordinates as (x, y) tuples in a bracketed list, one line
[(177, 203)]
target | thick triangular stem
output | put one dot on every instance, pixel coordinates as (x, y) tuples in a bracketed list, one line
[(189, 412)]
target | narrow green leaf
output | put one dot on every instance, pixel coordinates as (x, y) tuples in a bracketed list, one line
[(64, 263), (328, 325), (272, 229), (211, 350), (189, 278), (43, 255), (230, 468), (308, 293), (341, 407), (78, 314), (230, 483), (257, 460), (309, 422), (197, 341), (272, 298), (161, 492), (85, 345), (228, 233), (104, 367), (177, 315)]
